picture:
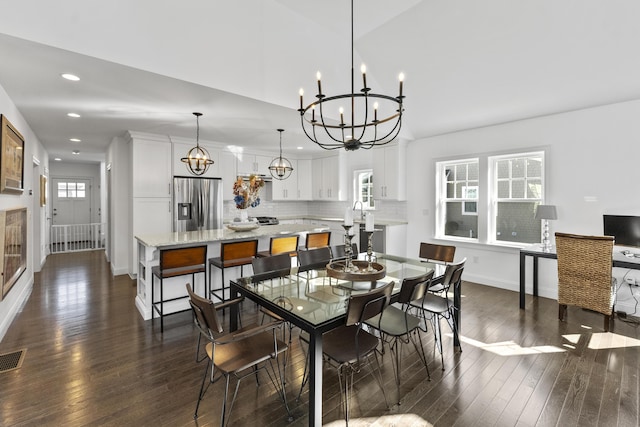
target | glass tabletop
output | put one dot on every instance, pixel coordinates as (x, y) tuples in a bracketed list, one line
[(316, 298)]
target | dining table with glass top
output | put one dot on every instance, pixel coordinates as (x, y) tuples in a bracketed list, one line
[(316, 302)]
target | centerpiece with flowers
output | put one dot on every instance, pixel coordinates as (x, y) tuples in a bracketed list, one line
[(247, 194)]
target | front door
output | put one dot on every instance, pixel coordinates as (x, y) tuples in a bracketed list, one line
[(71, 204)]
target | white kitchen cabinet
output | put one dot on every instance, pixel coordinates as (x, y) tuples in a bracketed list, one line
[(150, 216), (228, 173), (389, 172), (305, 171), (326, 177), (286, 189), (180, 150), (150, 166), (253, 164)]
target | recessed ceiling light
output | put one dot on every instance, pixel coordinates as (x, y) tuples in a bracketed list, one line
[(300, 148), (74, 140), (57, 159), (74, 115), (71, 77), (76, 152)]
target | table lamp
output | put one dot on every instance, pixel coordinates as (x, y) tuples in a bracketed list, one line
[(545, 213)]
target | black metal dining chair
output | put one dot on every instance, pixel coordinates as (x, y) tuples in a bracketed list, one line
[(239, 354), (398, 326)]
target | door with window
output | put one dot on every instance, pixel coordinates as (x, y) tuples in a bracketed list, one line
[(71, 204)]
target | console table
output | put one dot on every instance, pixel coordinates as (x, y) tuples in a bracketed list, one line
[(536, 252)]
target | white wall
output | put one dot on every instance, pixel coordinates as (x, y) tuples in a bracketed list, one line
[(119, 215), (12, 302), (591, 168)]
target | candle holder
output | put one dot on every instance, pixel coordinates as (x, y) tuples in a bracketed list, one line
[(370, 255), (348, 264)]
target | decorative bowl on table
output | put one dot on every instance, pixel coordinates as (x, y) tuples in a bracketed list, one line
[(359, 271), (243, 226)]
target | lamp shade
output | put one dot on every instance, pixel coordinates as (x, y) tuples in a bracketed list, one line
[(546, 212)]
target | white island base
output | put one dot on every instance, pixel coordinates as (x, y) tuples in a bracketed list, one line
[(149, 246)]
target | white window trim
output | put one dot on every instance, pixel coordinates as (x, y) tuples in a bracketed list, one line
[(486, 207)]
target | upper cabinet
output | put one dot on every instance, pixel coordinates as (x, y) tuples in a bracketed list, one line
[(328, 176), (253, 164), (180, 150), (228, 173), (150, 166), (286, 189), (305, 171), (389, 169)]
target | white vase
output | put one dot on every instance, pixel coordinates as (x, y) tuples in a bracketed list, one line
[(244, 215)]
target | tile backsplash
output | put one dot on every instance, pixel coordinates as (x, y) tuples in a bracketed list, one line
[(385, 209)]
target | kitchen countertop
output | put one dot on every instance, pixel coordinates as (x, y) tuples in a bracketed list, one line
[(208, 236), (341, 220)]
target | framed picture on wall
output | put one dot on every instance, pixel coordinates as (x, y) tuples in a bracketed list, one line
[(11, 158), (13, 247), (43, 190)]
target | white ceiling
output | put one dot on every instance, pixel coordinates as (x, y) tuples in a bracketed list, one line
[(147, 65)]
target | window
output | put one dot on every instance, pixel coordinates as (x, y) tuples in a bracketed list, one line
[(363, 188), (71, 190), (490, 199), (458, 198), (517, 190)]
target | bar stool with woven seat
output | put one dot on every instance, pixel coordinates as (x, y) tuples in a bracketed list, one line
[(232, 254), (173, 263), (282, 245)]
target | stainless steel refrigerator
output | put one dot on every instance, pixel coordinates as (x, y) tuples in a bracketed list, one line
[(197, 203)]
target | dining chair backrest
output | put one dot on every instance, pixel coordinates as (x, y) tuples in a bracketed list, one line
[(414, 288), (272, 266), (364, 306), (318, 239), (452, 274), (338, 251), (205, 315), (434, 252), (313, 258)]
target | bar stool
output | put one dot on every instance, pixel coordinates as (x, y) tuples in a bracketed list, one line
[(282, 245), (232, 254), (319, 239), (173, 263)]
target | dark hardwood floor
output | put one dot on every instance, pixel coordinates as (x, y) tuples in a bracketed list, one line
[(92, 360)]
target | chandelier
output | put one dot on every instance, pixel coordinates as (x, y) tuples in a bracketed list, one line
[(375, 119), (280, 167), (197, 159)]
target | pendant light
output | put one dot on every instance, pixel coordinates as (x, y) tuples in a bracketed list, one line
[(280, 167), (197, 159)]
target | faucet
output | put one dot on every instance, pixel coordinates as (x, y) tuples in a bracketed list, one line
[(361, 209)]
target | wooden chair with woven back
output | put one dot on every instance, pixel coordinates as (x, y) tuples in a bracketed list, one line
[(585, 274)]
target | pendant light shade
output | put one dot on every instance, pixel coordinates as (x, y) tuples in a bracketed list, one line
[(280, 167), (197, 159)]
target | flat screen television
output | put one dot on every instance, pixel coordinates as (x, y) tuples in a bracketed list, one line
[(624, 228)]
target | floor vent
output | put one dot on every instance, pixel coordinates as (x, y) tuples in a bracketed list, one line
[(11, 361)]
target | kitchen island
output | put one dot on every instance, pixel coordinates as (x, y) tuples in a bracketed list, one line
[(149, 246)]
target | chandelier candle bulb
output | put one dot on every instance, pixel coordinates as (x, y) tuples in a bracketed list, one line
[(375, 111), (368, 225), (401, 78), (363, 69), (341, 110), (348, 217), (301, 104), (318, 75)]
